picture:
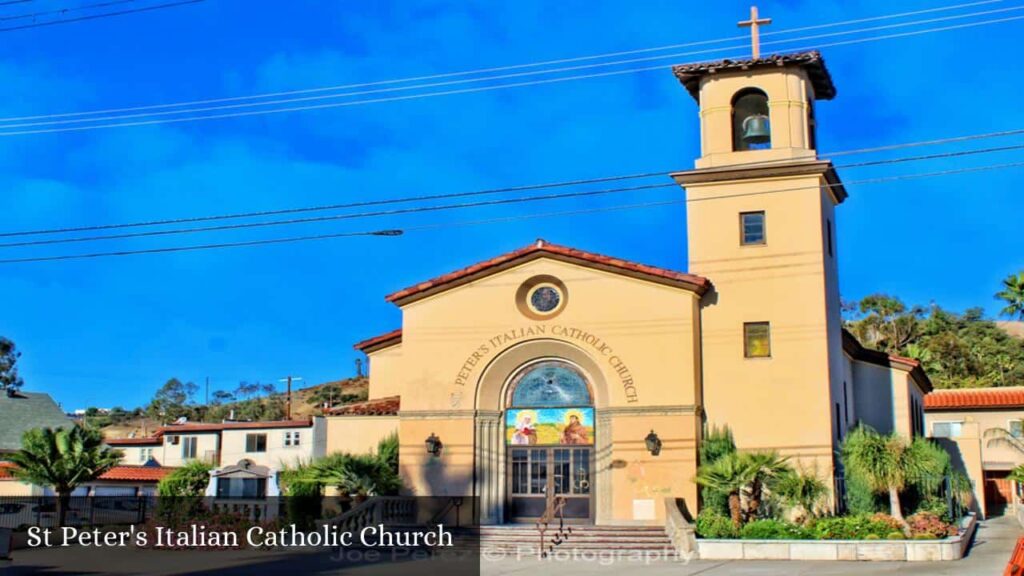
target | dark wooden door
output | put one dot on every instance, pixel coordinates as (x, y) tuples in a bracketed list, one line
[(997, 492)]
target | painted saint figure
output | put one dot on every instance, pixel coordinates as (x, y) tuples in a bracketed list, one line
[(575, 432), (525, 433)]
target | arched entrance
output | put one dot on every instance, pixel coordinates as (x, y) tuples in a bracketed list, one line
[(549, 433)]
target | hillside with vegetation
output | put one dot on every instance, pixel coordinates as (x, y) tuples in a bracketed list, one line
[(248, 402), (957, 350)]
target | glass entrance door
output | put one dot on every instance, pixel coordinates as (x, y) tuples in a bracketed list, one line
[(536, 472)]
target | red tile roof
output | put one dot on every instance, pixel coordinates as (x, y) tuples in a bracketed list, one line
[(206, 427), (387, 406), (5, 470), (811, 61), (542, 248), (132, 441), (1003, 397), (379, 342), (128, 473)]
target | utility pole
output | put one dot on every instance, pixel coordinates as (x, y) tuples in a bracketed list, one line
[(288, 400), (207, 391)]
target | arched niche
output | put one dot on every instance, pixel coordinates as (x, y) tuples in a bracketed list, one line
[(496, 376), (751, 127)]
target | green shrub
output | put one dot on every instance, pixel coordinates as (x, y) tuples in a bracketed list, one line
[(769, 529), (858, 527), (897, 535), (711, 524)]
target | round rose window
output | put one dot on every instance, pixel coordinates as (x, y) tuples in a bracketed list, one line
[(545, 299)]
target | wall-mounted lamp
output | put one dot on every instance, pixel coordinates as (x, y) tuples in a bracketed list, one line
[(433, 445), (653, 443)]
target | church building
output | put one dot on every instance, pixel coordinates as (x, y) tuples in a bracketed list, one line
[(551, 369)]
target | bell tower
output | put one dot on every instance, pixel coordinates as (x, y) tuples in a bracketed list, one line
[(761, 227)]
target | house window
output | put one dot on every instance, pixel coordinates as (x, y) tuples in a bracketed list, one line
[(188, 447), (757, 340), (291, 438), (839, 426), (752, 230), (145, 455), (1016, 428), (255, 442), (946, 429), (250, 488), (173, 439)]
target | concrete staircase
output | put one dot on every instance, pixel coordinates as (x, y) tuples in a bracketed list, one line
[(525, 540)]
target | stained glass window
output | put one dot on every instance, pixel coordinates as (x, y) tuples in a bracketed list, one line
[(545, 299), (550, 384)]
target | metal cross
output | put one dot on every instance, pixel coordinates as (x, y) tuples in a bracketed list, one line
[(755, 24)]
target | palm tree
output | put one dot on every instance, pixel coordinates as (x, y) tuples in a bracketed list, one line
[(1013, 294), (802, 490), (63, 458), (766, 469), (889, 463), (728, 475)]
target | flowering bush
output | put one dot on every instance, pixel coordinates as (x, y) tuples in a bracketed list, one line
[(929, 525), (860, 527)]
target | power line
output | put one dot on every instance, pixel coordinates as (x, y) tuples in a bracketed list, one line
[(397, 232), (6, 129), (65, 10), (478, 204), (492, 69), (98, 16), (521, 188)]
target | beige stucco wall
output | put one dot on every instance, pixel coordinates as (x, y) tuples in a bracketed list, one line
[(783, 282), (635, 340), (966, 453), (171, 454), (386, 378), (994, 457), (10, 487), (233, 444), (358, 434), (134, 454)]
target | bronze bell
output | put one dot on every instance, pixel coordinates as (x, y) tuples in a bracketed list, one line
[(756, 129)]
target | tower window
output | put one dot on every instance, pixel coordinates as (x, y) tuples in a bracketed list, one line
[(752, 228), (751, 129), (757, 340)]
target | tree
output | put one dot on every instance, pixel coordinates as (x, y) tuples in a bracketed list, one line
[(886, 323), (170, 400), (1013, 294), (802, 490), (9, 378), (765, 469), (181, 492), (889, 463), (728, 475), (222, 397), (63, 458)]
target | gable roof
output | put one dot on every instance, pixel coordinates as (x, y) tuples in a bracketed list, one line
[(540, 249), (380, 342), (133, 473), (857, 351), (974, 398), (25, 411), (690, 75), (193, 427)]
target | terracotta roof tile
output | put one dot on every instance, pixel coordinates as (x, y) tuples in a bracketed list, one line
[(387, 406), (811, 61), (381, 341), (5, 470), (218, 426), (1002, 397), (541, 248), (128, 473)]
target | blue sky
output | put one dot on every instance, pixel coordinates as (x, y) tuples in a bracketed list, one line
[(109, 331)]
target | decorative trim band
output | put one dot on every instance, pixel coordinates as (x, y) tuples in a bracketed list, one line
[(649, 410)]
